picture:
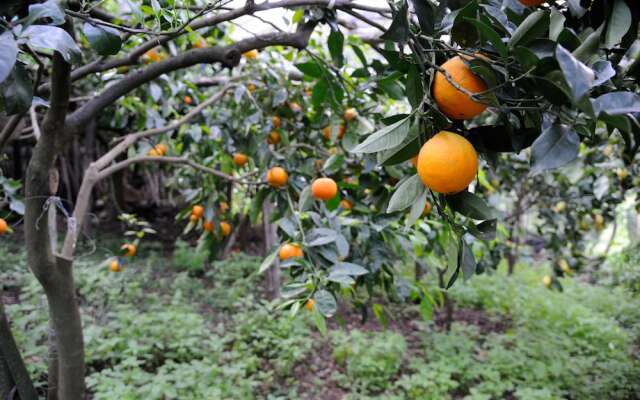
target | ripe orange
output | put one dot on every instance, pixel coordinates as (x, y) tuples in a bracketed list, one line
[(277, 177), (225, 227), (276, 121), (346, 204), (129, 250), (290, 250), (208, 226), (427, 209), (324, 188), (198, 211), (4, 227), (530, 3), (295, 107), (251, 54), (451, 101), (161, 148), (200, 44), (153, 153), (151, 56), (310, 304), (349, 114), (274, 137), (447, 163), (240, 159), (187, 100), (326, 132), (251, 87), (193, 218), (115, 266)]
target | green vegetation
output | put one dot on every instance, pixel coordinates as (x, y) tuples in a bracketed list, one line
[(153, 332)]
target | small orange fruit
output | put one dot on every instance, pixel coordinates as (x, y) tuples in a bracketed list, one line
[(251, 87), (326, 132), (251, 54), (276, 121), (346, 204), (546, 280), (427, 209), (290, 250), (187, 100), (447, 163), (4, 227), (225, 228), (151, 56), (129, 250), (161, 149), (277, 177), (274, 137), (153, 153), (115, 266), (208, 226), (324, 188), (240, 159), (349, 114), (200, 44), (531, 3), (198, 211), (295, 107), (193, 218), (451, 101), (310, 304)]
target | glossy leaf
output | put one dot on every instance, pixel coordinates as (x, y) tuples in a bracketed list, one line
[(406, 194), (533, 27), (385, 138), (16, 91), (425, 10), (8, 54), (578, 76), (618, 24), (470, 205), (616, 103), (49, 9), (52, 38), (557, 146), (326, 303), (399, 29), (336, 45), (467, 261), (105, 40)]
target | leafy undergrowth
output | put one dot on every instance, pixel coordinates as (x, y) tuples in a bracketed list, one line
[(180, 329)]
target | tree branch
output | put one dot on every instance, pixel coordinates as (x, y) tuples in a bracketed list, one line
[(229, 56)]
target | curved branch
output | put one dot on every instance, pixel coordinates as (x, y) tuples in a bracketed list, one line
[(229, 56)]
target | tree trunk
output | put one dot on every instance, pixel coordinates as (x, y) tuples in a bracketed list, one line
[(55, 274), (270, 236), (13, 373)]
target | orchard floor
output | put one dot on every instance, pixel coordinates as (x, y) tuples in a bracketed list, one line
[(165, 329)]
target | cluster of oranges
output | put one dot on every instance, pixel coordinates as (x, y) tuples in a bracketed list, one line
[(197, 212), (348, 115), (127, 250)]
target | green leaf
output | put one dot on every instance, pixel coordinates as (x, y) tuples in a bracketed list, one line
[(8, 54), (630, 59), (588, 50), (378, 311), (386, 138), (616, 103), (425, 10), (336, 45), (16, 91), (105, 40), (556, 24), (485, 230), (268, 261), (426, 309), (578, 76), (310, 68), (320, 237), (558, 145), (346, 268), (417, 208), (470, 205), (333, 164), (406, 194), (319, 93), (399, 29), (305, 201), (413, 86), (533, 27), (318, 320), (467, 261), (618, 24), (49, 9), (403, 152), (52, 38), (326, 303), (489, 34)]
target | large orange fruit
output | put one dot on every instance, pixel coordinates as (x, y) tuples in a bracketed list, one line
[(451, 101), (324, 188), (129, 250), (277, 177), (4, 227), (197, 211), (290, 250), (240, 159), (447, 163)]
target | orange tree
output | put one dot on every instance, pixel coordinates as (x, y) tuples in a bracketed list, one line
[(475, 77)]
